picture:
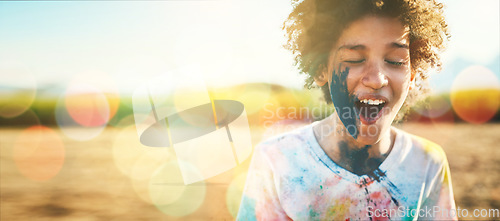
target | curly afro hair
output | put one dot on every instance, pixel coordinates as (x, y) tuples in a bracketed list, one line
[(314, 26)]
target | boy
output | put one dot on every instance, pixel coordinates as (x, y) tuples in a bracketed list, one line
[(370, 58)]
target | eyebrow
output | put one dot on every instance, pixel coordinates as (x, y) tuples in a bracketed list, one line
[(352, 47)]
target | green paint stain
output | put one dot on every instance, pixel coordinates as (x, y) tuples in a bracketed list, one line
[(313, 213)]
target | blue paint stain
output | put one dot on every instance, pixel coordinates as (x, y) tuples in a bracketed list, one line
[(381, 177), (395, 201), (377, 174), (343, 101), (247, 209), (299, 181)]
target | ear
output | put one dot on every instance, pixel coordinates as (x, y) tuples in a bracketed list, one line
[(321, 78)]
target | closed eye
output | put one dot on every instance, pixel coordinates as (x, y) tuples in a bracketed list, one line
[(396, 63), (355, 61)]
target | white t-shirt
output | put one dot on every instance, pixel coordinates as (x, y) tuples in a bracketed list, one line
[(291, 177)]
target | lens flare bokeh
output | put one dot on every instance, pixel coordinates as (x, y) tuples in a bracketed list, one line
[(254, 97), (92, 98), (438, 115), (234, 193), (155, 175), (72, 129), (186, 98), (39, 153), (434, 107), (17, 88), (170, 195), (475, 94), (87, 106), (127, 150), (143, 169)]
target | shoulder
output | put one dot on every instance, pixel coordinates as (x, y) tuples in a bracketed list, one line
[(419, 146), (290, 140), (287, 147)]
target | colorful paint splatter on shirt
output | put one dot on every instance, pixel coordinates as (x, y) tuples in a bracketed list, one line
[(292, 178)]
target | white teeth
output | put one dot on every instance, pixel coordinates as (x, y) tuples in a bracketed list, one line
[(372, 102)]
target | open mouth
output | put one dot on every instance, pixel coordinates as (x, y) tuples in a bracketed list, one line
[(370, 110)]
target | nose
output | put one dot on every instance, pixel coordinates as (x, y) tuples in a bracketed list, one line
[(374, 77)]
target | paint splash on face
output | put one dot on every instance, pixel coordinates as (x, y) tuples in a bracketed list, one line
[(343, 101)]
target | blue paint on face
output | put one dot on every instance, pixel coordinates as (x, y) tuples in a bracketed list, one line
[(343, 101)]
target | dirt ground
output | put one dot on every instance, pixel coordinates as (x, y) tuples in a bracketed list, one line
[(98, 182)]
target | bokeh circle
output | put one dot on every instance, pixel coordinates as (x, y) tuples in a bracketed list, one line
[(234, 193), (18, 88), (70, 127), (170, 195), (475, 94), (39, 153)]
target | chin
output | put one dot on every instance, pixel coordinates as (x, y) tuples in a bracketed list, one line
[(368, 139)]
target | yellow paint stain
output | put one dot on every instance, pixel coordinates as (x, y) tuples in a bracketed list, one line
[(437, 153), (431, 148), (339, 210)]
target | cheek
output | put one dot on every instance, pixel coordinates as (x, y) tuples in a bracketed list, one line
[(401, 84), (353, 78)]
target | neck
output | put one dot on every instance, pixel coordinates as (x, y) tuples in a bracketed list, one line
[(347, 152)]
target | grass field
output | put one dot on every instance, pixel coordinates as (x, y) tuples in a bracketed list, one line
[(95, 182)]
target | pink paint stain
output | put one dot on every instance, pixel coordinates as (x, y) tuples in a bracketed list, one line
[(332, 181), (375, 195)]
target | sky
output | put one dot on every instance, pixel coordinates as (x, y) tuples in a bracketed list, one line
[(232, 42)]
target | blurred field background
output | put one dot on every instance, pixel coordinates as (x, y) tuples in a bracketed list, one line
[(98, 170), (69, 149)]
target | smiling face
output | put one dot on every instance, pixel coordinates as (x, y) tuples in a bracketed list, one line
[(371, 63)]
